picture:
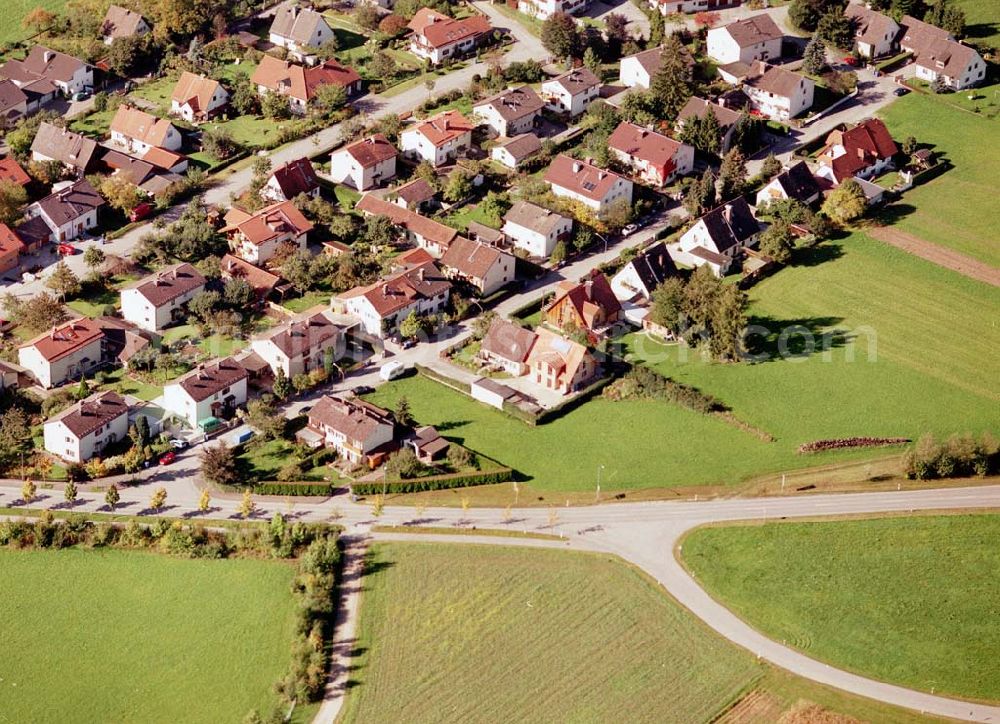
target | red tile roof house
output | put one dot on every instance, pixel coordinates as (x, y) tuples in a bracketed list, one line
[(74, 151), (510, 112), (418, 286), (257, 237), (288, 181), (699, 108), (484, 267), (506, 346), (196, 98), (438, 140), (590, 306), (357, 430), (300, 345), (67, 352), (211, 390), (560, 364), (138, 131), (263, 282), (11, 248), (593, 187), (82, 431), (44, 72), (865, 150), (299, 83), (364, 164), (718, 237), (427, 234), (299, 30), (147, 176), (67, 213), (437, 37), (159, 300), (656, 159), (10, 170)]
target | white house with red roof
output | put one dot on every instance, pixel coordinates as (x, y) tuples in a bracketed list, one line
[(196, 98), (300, 83), (158, 300), (864, 151), (482, 266), (364, 164), (545, 9), (438, 140), (138, 131), (257, 237), (594, 187), (427, 234), (83, 430), (437, 37), (66, 352), (655, 158)]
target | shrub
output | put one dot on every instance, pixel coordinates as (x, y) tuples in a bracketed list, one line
[(851, 442), (642, 383), (435, 482), (960, 455)]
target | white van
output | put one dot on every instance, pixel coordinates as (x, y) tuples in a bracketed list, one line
[(391, 370)]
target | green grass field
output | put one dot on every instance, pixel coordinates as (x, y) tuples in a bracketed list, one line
[(934, 371), (912, 601), (11, 28), (981, 21), (957, 208), (137, 637), (547, 636)]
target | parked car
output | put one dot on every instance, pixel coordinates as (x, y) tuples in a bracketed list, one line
[(81, 95), (850, 60), (65, 250), (177, 444), (630, 229), (168, 458), (141, 211), (899, 92), (408, 343), (363, 390)]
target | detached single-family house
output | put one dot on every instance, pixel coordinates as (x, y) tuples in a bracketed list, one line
[(795, 182), (138, 131), (68, 213), (257, 237), (437, 37), (356, 429), (535, 229), (44, 72), (262, 281), (638, 70), (484, 267), (655, 158), (74, 151), (418, 286), (211, 391), (416, 195), (290, 180), (83, 430), (364, 164), (511, 152), (510, 112), (121, 22), (300, 345), (67, 352), (139, 172), (560, 364), (592, 186), (743, 41), (438, 140), (299, 30), (572, 92), (640, 277), (506, 345), (937, 55), (11, 171), (545, 9), (13, 103), (196, 98), (777, 93), (718, 236), (159, 300), (726, 118), (864, 151), (164, 160), (427, 234), (675, 7), (11, 248), (590, 306), (299, 84), (874, 33)]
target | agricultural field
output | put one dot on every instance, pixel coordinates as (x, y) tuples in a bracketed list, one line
[(957, 208), (546, 635), (932, 370), (131, 636), (911, 601)]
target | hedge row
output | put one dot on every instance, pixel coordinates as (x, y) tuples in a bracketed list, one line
[(274, 487), (435, 482), (849, 442)]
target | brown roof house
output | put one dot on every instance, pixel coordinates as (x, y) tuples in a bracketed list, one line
[(560, 364), (938, 56), (288, 181), (874, 33), (655, 158), (160, 299), (196, 98), (864, 151), (66, 214), (358, 430), (437, 37), (139, 172), (300, 30), (83, 430), (588, 184), (13, 103), (364, 164), (726, 118), (506, 346), (262, 281), (11, 248), (72, 150), (44, 72), (428, 234), (299, 84), (67, 352), (638, 70), (718, 237), (211, 391), (795, 182), (640, 277), (511, 152), (510, 112), (257, 237), (743, 41), (777, 93), (535, 229), (590, 306), (572, 92), (427, 444), (482, 266), (302, 343), (138, 131), (121, 22), (415, 195)]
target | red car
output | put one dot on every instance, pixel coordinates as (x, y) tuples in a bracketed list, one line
[(140, 212), (65, 250), (850, 60), (168, 458)]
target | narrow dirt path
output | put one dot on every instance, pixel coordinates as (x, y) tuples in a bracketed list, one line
[(940, 255)]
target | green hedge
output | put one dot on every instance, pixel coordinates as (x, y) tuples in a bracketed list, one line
[(435, 482), (273, 487)]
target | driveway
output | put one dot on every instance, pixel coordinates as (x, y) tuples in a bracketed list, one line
[(638, 21)]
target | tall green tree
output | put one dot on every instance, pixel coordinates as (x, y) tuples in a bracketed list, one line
[(670, 87), (846, 203), (814, 57), (112, 497), (732, 175), (63, 281), (560, 35), (777, 242)]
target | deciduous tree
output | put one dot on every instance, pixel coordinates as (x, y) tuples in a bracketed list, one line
[(846, 203), (13, 197), (63, 281), (158, 499), (218, 465), (560, 35)]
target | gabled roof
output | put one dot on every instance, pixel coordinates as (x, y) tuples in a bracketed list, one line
[(92, 413), (211, 377), (10, 170), (750, 31), (402, 288), (296, 177), (329, 72), (443, 127), (508, 341), (161, 158), (645, 145), (870, 26), (935, 48), (520, 147), (42, 64), (575, 81), (195, 91), (141, 126), (409, 220), (485, 234), (562, 355), (120, 22), (269, 223), (296, 24), (774, 79), (66, 339), (307, 331), (415, 192), (730, 224), (10, 97), (9, 241), (441, 30), (63, 145), (654, 266), (587, 297), (472, 258), (370, 151), (652, 59), (533, 217), (863, 145), (356, 419), (168, 284), (514, 104), (697, 107), (798, 182), (263, 281), (70, 203), (581, 177), (281, 76)]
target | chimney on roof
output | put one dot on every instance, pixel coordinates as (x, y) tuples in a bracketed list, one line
[(588, 288), (48, 55), (385, 290), (727, 212), (577, 166), (420, 274)]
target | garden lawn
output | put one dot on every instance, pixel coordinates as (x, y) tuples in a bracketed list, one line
[(96, 124), (981, 21), (254, 131), (307, 301), (957, 209), (911, 601), (158, 92), (267, 458), (486, 634), (460, 219), (110, 635)]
